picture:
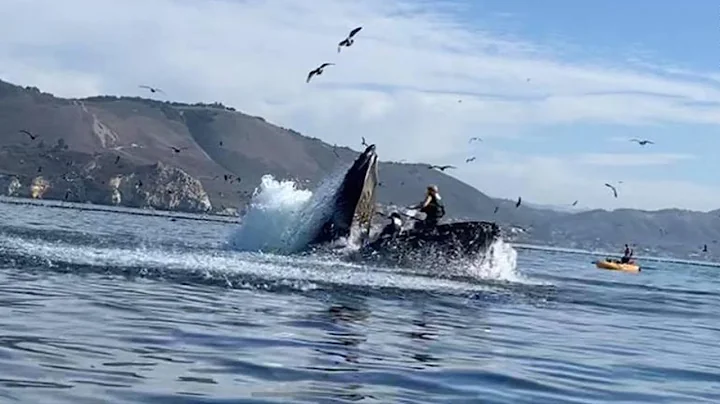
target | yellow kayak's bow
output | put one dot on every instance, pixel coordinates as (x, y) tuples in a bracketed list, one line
[(616, 266)]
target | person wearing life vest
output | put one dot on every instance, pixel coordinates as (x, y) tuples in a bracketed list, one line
[(432, 207), (394, 227)]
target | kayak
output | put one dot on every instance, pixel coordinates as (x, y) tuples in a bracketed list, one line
[(616, 266)]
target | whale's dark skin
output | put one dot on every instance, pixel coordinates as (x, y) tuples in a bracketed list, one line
[(354, 200)]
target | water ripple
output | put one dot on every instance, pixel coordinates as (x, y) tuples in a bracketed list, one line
[(144, 310)]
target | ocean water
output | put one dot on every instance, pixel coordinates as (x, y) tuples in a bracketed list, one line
[(111, 307)]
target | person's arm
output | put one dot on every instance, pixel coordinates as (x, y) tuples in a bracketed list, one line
[(421, 205)]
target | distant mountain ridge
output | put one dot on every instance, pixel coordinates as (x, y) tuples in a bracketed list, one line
[(219, 141)]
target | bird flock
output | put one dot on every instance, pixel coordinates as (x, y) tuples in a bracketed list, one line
[(347, 42), (350, 39)]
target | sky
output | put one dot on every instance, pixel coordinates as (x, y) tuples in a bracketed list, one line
[(555, 88)]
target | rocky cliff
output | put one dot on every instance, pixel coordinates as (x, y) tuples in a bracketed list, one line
[(100, 179)]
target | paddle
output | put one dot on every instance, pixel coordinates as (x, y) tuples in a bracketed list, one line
[(400, 213)]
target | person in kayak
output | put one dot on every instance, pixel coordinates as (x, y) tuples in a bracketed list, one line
[(432, 207), (392, 228), (627, 255)]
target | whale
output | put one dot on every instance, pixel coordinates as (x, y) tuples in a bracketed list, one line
[(353, 202)]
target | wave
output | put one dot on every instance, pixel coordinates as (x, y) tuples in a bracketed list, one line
[(236, 270)]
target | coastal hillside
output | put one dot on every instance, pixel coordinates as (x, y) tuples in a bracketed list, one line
[(208, 157)]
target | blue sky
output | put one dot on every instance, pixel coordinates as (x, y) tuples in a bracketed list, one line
[(422, 78)]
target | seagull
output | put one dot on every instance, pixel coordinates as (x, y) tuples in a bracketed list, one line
[(318, 71), (33, 137), (364, 143), (152, 89), (642, 142), (470, 159), (441, 168), (496, 210), (178, 150), (519, 201), (613, 189), (574, 203), (349, 40), (474, 138), (117, 160)]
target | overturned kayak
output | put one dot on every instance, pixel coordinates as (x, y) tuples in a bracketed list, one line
[(617, 266)]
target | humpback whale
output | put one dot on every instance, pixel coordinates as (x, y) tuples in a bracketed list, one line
[(353, 203), (353, 206)]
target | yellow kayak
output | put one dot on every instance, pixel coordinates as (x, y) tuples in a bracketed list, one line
[(616, 266)]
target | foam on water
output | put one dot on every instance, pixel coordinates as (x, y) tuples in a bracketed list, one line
[(232, 269)]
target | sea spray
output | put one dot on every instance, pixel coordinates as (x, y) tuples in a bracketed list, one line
[(284, 219), (499, 263), (272, 215)]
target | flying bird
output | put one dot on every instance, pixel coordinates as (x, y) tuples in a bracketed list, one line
[(474, 138), (441, 168), (178, 150), (33, 137), (318, 71), (613, 189), (117, 160), (364, 143), (470, 159), (519, 201), (152, 89), (574, 203), (642, 142), (349, 40), (496, 210)]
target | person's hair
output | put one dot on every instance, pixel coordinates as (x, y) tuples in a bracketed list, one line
[(432, 188)]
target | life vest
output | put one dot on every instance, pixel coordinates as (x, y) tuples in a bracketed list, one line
[(435, 207)]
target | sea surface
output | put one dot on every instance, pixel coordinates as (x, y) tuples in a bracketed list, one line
[(112, 307)]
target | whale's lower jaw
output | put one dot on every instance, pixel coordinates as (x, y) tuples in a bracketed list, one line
[(354, 201)]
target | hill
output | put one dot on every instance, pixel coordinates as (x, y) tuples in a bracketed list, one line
[(118, 150), (217, 141)]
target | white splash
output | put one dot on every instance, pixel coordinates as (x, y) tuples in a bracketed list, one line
[(283, 218), (500, 263), (273, 213)]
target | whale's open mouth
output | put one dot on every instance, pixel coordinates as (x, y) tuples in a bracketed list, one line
[(354, 201)]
